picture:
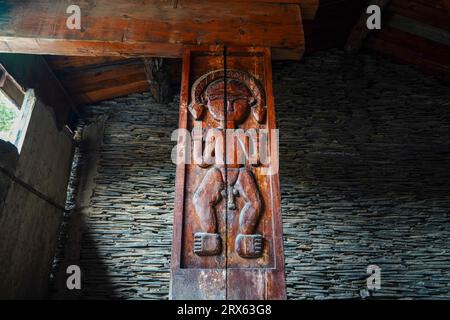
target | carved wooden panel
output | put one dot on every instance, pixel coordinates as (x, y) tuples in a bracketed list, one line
[(227, 224)]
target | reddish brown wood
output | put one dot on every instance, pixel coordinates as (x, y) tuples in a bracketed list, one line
[(92, 79), (227, 225), (151, 27)]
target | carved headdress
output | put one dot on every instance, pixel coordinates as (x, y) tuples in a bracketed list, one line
[(257, 101)]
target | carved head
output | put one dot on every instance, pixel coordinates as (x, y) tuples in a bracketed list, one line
[(238, 104), (243, 95)]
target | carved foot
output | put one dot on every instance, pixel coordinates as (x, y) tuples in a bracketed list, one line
[(207, 244), (249, 246)]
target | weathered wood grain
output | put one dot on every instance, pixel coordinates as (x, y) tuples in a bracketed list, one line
[(149, 28), (227, 215), (418, 33)]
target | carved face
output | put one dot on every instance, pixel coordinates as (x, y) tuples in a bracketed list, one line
[(239, 100)]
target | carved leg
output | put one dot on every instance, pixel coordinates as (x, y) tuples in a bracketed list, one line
[(248, 244), (206, 197)]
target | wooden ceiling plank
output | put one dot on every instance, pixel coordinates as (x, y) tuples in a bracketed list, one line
[(420, 29), (309, 7), (111, 93), (409, 56), (112, 83), (93, 70), (434, 51), (98, 78), (87, 48), (65, 64), (425, 13)]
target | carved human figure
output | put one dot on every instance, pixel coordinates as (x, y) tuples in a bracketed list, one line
[(227, 179)]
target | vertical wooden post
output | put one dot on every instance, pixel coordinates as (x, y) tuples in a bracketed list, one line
[(227, 240)]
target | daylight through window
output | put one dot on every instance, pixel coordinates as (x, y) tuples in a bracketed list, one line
[(15, 109), (8, 117)]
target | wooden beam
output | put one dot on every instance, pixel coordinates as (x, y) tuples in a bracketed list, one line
[(158, 77), (428, 56), (309, 7), (150, 28), (420, 29), (63, 65), (427, 13), (417, 33), (446, 4), (360, 30)]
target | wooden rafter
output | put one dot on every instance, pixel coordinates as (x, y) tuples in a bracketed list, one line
[(360, 31), (446, 4), (158, 77)]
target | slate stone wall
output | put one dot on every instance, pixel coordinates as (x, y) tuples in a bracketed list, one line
[(365, 179)]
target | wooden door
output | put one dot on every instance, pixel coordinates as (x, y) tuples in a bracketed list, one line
[(227, 240)]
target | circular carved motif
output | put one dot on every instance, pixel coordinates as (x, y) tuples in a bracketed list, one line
[(244, 95)]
